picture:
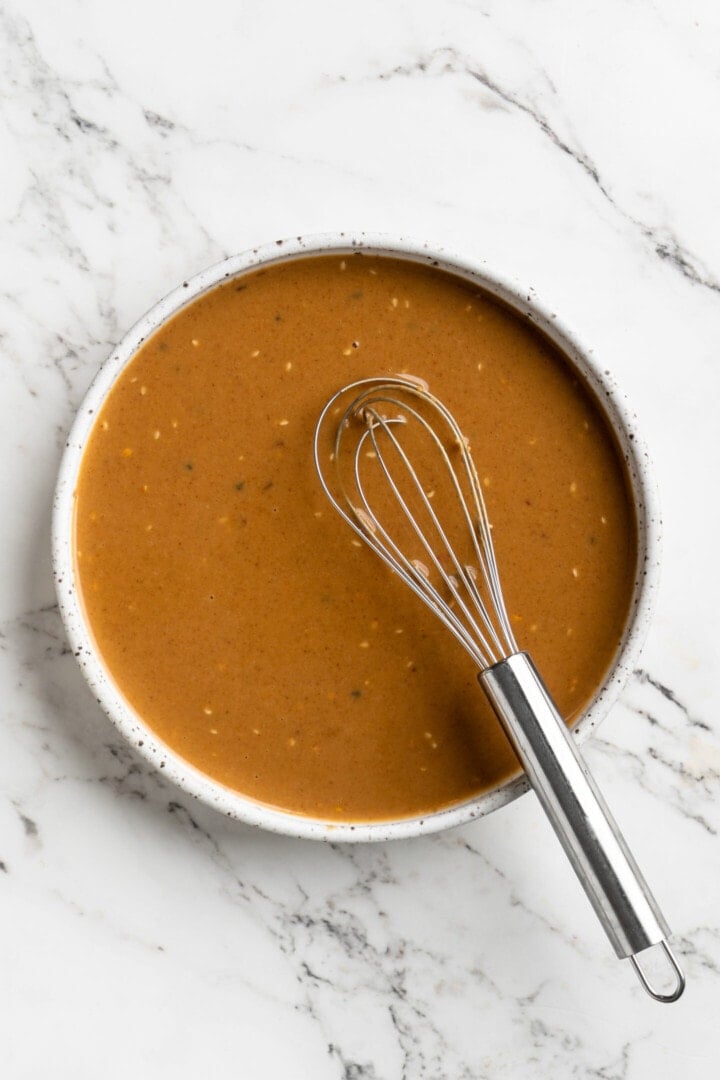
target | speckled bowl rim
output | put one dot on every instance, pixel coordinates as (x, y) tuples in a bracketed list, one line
[(522, 300)]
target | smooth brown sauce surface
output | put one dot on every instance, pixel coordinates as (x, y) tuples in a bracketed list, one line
[(229, 601)]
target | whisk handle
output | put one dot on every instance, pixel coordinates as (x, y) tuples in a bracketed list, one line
[(578, 813)]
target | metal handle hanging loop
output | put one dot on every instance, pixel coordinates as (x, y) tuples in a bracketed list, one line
[(677, 972)]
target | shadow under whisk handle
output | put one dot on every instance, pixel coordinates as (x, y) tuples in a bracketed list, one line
[(577, 811)]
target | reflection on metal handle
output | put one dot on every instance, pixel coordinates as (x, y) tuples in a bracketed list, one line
[(577, 811)]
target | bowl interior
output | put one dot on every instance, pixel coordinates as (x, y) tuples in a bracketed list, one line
[(108, 695)]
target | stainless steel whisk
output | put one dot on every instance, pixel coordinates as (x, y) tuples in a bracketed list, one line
[(465, 594)]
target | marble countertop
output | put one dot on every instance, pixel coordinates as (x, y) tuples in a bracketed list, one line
[(576, 148)]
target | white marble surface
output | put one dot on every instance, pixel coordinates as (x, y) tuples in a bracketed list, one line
[(576, 147)]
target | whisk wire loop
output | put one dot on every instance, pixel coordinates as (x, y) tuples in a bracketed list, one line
[(464, 573), (408, 569), (476, 615), (451, 581)]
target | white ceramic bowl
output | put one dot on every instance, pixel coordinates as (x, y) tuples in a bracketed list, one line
[(107, 693)]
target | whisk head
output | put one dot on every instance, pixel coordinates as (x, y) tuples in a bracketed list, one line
[(396, 466)]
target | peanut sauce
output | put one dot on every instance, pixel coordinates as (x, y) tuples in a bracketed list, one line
[(241, 618)]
